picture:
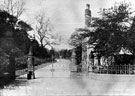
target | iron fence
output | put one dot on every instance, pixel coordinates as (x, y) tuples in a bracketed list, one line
[(114, 69)]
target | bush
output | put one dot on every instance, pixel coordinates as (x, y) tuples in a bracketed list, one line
[(4, 61), (21, 62)]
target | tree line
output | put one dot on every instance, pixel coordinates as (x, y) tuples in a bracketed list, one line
[(109, 33), (14, 35), (16, 40)]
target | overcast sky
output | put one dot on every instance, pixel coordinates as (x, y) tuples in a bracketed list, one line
[(66, 15)]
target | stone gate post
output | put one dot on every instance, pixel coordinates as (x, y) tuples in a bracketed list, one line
[(30, 65)]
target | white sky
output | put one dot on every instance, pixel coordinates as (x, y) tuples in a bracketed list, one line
[(66, 15)]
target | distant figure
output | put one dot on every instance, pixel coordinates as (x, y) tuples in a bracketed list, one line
[(87, 16)]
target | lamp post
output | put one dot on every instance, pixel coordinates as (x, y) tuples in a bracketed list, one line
[(30, 61)]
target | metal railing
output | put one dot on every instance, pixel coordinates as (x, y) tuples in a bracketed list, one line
[(114, 69)]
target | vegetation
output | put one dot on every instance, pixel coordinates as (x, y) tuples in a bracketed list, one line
[(112, 31), (14, 38), (78, 51), (65, 53), (14, 8)]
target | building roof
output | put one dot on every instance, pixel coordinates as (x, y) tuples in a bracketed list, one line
[(125, 51)]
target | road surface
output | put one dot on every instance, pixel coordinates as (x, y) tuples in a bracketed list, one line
[(58, 80)]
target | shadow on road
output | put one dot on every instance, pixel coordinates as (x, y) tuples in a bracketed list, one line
[(20, 81)]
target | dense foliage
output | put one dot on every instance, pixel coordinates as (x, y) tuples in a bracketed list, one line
[(78, 51), (65, 53), (112, 31)]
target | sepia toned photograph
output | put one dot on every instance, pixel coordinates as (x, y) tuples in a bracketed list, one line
[(67, 48)]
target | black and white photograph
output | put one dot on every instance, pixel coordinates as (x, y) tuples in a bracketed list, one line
[(67, 48)]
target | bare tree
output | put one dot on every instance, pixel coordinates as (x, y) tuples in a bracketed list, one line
[(44, 28), (15, 8)]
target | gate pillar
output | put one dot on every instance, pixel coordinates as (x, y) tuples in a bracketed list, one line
[(30, 66)]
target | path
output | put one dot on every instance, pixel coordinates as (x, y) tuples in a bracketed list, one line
[(62, 82)]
